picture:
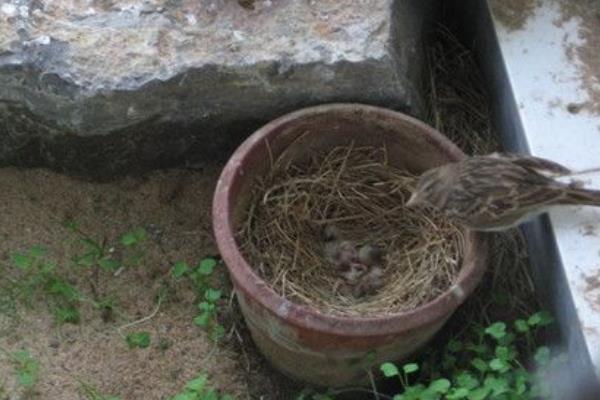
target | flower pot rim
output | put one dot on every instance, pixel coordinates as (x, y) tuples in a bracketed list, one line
[(251, 285)]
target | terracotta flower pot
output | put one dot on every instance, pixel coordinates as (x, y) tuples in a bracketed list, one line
[(299, 340)]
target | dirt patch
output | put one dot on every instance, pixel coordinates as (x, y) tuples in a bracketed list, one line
[(586, 55), (174, 208), (592, 282), (592, 290), (588, 230), (513, 14)]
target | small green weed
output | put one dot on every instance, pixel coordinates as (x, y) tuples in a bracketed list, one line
[(39, 275), (209, 296), (197, 389), (26, 368), (100, 255), (95, 255), (138, 339), (133, 241), (487, 367)]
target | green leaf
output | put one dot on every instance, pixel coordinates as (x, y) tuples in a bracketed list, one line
[(212, 295), (109, 264), (206, 266), (507, 339), (542, 355), (498, 386), (521, 326), (521, 382), (138, 339), (26, 367), (399, 397), (414, 392), (479, 364), (429, 394), (459, 393), (479, 393), (21, 261), (63, 289), (135, 236), (503, 353), (389, 370), (410, 368), (198, 384), (179, 269), (542, 318), (210, 395), (467, 381), (25, 378), (440, 385), (202, 319), (498, 365), (496, 330), (206, 306)]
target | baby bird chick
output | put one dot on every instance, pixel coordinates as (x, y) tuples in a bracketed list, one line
[(370, 283), (370, 255), (360, 269), (341, 253)]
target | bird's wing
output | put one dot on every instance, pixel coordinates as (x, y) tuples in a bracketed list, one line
[(539, 165), (511, 193)]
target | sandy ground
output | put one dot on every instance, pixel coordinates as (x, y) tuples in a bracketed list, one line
[(174, 208)]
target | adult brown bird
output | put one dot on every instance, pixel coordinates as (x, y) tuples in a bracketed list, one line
[(498, 191)]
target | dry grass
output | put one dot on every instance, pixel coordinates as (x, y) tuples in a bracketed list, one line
[(458, 104), (356, 190), (459, 108)]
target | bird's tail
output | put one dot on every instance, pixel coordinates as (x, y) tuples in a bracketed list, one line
[(579, 196)]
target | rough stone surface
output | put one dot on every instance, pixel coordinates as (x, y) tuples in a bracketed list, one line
[(103, 87)]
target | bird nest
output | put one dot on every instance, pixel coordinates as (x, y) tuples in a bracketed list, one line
[(333, 233)]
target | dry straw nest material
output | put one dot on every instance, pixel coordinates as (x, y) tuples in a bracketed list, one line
[(359, 192)]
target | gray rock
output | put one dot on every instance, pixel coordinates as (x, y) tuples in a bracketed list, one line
[(108, 87)]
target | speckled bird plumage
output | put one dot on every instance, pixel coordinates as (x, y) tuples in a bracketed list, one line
[(498, 191)]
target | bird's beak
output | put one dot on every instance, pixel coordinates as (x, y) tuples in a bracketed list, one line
[(412, 201)]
